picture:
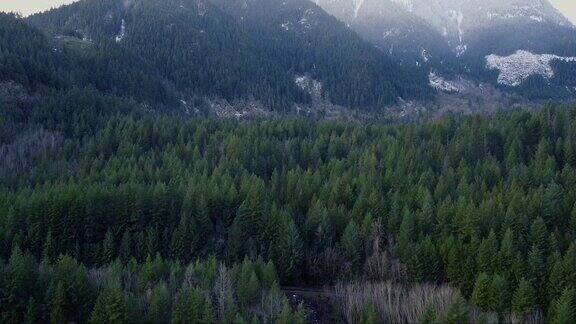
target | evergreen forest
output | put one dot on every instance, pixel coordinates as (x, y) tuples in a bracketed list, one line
[(157, 218)]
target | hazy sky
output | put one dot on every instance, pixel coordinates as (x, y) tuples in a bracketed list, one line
[(568, 7)]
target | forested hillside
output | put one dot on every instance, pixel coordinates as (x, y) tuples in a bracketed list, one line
[(396, 31), (506, 38), (456, 37), (236, 50), (122, 200), (477, 214), (45, 65)]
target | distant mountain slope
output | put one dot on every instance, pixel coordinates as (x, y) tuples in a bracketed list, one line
[(398, 32), (457, 20), (244, 49), (47, 83), (351, 71), (25, 55), (458, 36), (193, 44), (31, 59)]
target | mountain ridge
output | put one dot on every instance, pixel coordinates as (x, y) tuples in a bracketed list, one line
[(237, 49), (236, 57), (455, 37)]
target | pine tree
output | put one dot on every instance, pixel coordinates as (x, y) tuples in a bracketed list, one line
[(507, 253), (108, 249), (406, 234), (500, 297), (352, 244), (159, 305), (430, 316), (247, 229), (69, 296), (481, 296), (524, 299), (301, 314), (58, 305), (202, 220), (573, 222), (556, 279), (21, 279), (152, 241), (369, 314), (286, 316), (570, 264), (431, 270), (208, 315), (537, 267), (457, 312), (182, 240), (110, 305), (539, 235), (126, 251), (487, 252), (31, 312), (50, 249), (563, 309), (269, 275), (286, 246), (188, 307), (248, 284), (272, 303)]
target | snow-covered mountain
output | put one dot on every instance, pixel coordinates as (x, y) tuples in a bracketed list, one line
[(298, 55), (456, 19), (483, 40), (392, 27)]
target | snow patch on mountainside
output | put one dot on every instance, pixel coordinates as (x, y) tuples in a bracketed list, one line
[(537, 18), (408, 4), (439, 83), (122, 33), (395, 32), (357, 6), (516, 68), (461, 49), (425, 55), (202, 8), (310, 85), (307, 19), (458, 18)]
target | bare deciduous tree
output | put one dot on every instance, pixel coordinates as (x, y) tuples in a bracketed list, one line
[(395, 303), (223, 291)]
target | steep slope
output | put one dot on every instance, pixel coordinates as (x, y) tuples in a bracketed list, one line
[(350, 71), (193, 44), (459, 19), (459, 36), (244, 49), (390, 26), (36, 62), (25, 56), (66, 85)]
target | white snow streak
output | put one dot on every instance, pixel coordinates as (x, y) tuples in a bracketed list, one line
[(120, 36), (357, 6), (439, 83)]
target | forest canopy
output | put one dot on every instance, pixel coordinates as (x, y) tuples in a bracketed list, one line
[(483, 205)]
